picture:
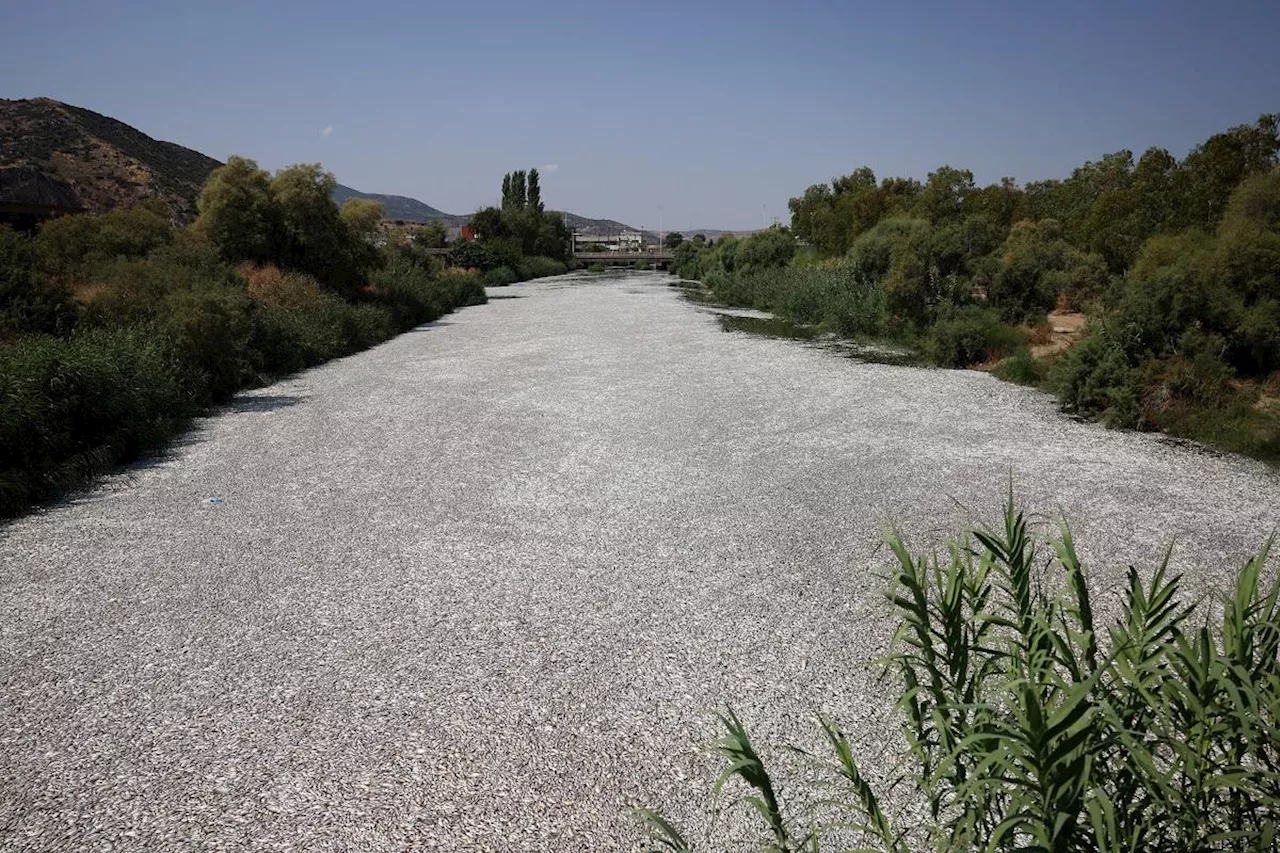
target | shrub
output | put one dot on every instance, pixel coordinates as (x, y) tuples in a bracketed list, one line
[(1030, 726), (72, 247), (366, 325), (29, 302), (210, 331), (470, 254), (1037, 266), (1094, 379), (285, 340), (72, 408), (835, 296), (270, 287), (459, 288), (872, 253), (970, 335), (1020, 368), (540, 267), (408, 292), (768, 249), (500, 277), (597, 267)]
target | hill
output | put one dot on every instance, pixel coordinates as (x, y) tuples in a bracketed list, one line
[(402, 207), (106, 162), (413, 210), (109, 164)]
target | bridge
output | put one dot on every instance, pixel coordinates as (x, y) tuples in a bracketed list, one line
[(661, 259)]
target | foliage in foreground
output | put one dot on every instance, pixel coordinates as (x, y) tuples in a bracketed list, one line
[(1028, 727)]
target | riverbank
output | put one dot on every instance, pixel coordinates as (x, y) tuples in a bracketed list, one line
[(483, 581), (1188, 401)]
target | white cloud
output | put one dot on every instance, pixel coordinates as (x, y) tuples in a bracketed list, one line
[(327, 131), (551, 167)]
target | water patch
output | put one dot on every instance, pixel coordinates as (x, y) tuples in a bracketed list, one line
[(772, 326), (768, 325)]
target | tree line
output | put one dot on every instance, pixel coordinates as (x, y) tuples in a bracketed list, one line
[(518, 240), (115, 330), (1175, 262)]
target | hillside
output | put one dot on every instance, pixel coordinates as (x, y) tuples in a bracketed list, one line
[(109, 164), (402, 207), (106, 162), (413, 210)]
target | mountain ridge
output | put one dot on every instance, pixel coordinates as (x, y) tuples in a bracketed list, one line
[(109, 164), (106, 162)]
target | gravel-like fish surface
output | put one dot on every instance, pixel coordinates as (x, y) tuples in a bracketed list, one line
[(478, 588)]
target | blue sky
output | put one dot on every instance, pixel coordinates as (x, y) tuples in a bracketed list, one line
[(715, 113)]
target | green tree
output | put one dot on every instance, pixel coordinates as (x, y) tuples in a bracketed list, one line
[(519, 190), (673, 240), (1211, 172), (998, 202), (553, 239), (473, 254), (831, 217), (872, 253), (362, 216), (489, 223), (945, 195), (534, 192), (1037, 265), (769, 249), (432, 235), (238, 214), (316, 238)]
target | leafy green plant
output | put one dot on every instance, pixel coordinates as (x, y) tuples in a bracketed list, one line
[(29, 301), (1020, 368), (970, 335), (70, 408), (166, 326), (1030, 727), (540, 267), (500, 276)]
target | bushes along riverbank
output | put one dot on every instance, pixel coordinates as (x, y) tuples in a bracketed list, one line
[(1176, 263), (117, 330)]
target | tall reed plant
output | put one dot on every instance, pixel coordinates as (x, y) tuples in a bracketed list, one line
[(1029, 727)]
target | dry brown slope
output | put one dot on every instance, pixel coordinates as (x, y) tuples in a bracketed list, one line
[(108, 163)]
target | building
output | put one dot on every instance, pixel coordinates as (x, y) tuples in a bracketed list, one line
[(28, 197), (625, 241)]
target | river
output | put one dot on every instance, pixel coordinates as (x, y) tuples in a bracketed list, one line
[(479, 586)]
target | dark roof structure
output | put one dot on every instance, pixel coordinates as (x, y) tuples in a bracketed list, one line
[(26, 189)]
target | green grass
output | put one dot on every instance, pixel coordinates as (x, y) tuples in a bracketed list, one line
[(1029, 726)]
